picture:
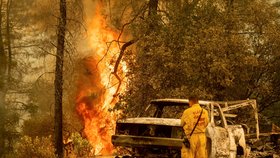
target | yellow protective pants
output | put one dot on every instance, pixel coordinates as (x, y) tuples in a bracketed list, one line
[(197, 149)]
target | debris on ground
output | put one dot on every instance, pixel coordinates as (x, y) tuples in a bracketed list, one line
[(266, 147)]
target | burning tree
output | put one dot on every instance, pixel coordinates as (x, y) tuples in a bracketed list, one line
[(99, 81)]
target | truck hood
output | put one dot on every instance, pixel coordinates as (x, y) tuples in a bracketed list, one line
[(152, 121)]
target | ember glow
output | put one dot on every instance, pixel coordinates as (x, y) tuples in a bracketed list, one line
[(97, 85)]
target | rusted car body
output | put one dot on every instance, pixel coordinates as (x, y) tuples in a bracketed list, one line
[(157, 136)]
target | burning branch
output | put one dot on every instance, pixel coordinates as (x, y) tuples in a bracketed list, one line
[(124, 46), (115, 72), (144, 7)]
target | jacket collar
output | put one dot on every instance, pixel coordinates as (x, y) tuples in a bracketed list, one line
[(195, 105)]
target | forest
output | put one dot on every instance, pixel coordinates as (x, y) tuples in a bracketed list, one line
[(70, 68)]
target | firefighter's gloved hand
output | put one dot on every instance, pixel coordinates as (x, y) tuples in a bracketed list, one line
[(186, 142)]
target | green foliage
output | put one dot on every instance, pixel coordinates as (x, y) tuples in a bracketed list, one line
[(82, 147), (42, 147), (41, 95), (39, 125), (219, 50), (9, 120), (33, 147), (28, 88)]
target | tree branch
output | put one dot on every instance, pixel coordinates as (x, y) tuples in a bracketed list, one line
[(115, 72)]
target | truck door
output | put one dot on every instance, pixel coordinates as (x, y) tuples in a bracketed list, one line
[(217, 134)]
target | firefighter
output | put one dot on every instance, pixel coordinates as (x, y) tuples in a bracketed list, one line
[(197, 140)]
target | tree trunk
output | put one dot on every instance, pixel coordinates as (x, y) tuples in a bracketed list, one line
[(3, 65), (153, 5), (8, 37), (58, 82), (229, 19), (3, 58)]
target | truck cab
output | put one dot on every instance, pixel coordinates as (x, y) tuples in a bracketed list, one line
[(161, 133)]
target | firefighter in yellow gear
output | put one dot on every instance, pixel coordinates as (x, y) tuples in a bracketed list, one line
[(198, 138)]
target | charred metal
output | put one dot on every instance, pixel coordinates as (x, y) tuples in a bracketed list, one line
[(157, 135)]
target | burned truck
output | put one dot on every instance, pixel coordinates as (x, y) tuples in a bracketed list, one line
[(160, 133)]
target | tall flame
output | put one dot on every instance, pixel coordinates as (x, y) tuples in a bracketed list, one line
[(97, 85)]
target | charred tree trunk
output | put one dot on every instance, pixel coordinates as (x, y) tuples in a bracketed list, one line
[(58, 82)]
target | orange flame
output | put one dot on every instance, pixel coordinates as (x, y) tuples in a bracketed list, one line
[(97, 85)]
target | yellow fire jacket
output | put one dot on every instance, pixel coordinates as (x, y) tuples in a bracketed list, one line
[(190, 117)]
